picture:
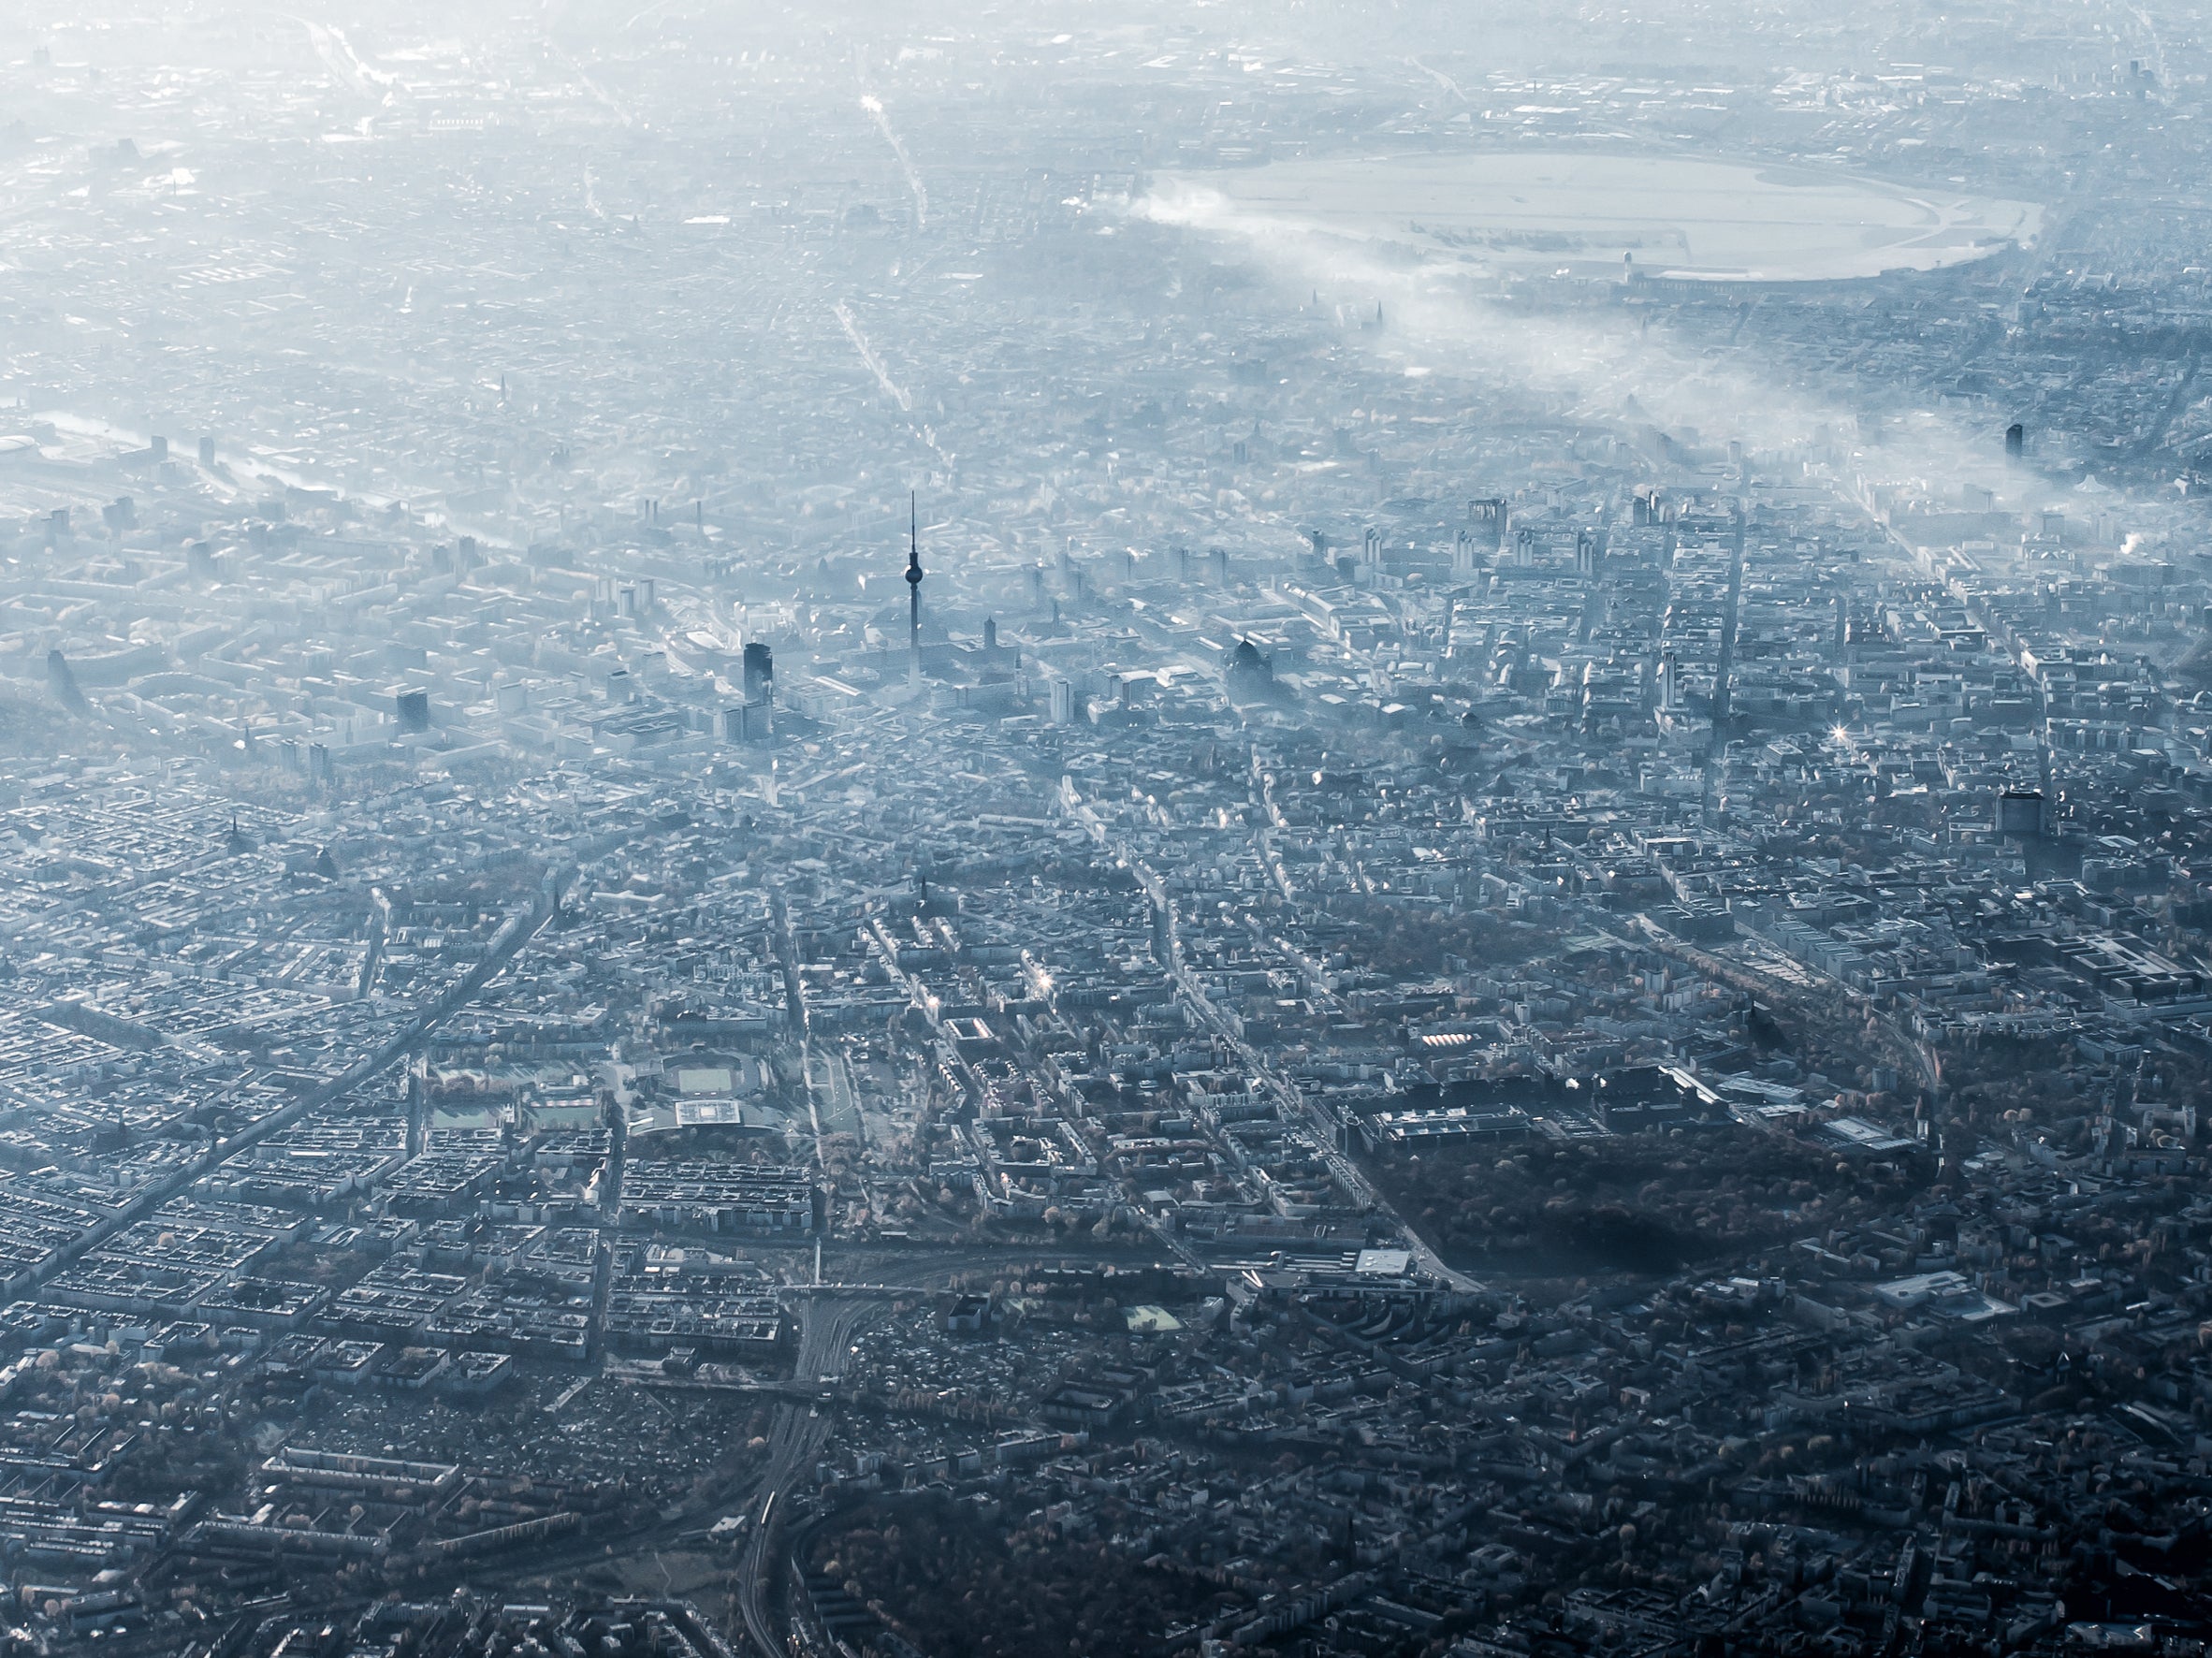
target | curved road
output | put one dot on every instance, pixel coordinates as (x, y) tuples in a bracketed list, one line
[(794, 1440)]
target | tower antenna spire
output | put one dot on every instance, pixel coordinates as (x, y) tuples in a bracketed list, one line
[(914, 585)]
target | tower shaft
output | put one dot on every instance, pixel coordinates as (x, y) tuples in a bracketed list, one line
[(914, 588)]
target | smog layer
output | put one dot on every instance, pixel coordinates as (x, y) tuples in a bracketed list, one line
[(1314, 831)]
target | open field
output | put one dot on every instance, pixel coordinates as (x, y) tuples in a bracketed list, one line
[(1675, 216)]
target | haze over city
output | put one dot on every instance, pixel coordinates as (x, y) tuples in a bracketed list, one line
[(1331, 832)]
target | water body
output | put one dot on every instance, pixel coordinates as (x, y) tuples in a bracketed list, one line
[(1680, 217)]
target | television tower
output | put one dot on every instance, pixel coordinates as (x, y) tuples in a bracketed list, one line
[(914, 589)]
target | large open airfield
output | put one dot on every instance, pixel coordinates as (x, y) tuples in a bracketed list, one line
[(1681, 216)]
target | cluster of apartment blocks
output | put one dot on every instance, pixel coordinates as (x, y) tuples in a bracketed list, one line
[(1913, 1478)]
